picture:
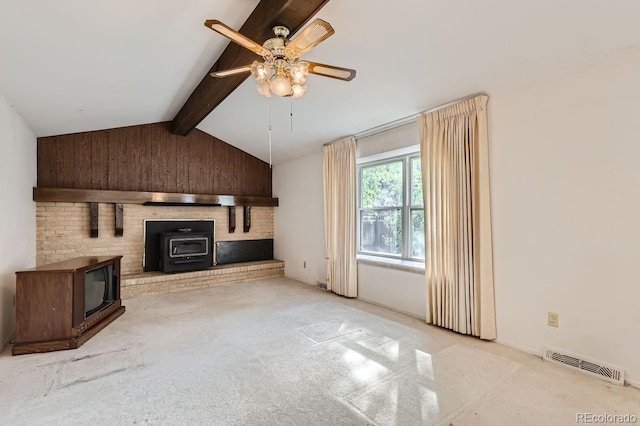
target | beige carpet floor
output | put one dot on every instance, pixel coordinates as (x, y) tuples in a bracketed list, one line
[(278, 352)]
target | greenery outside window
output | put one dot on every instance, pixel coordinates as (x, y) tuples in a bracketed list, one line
[(391, 208)]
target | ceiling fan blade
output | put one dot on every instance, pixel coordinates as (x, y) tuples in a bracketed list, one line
[(231, 71), (235, 36), (317, 32), (339, 73)]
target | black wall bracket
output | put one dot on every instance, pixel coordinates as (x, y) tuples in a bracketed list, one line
[(232, 220), (247, 218)]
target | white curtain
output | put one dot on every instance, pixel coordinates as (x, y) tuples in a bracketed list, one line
[(339, 178), (458, 248)]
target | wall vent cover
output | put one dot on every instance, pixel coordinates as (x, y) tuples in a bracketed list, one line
[(589, 366)]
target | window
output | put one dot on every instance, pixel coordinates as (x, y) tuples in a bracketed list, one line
[(391, 208)]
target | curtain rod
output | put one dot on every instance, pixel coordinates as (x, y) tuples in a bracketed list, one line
[(402, 121)]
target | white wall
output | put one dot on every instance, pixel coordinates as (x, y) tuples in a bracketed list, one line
[(389, 140), (17, 210), (565, 174), (299, 218), (402, 291)]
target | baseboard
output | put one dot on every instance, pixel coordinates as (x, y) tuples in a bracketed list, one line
[(520, 348), (299, 280), (6, 341), (627, 382), (391, 308), (632, 383)]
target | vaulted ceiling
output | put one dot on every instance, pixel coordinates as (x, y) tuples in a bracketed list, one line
[(71, 65)]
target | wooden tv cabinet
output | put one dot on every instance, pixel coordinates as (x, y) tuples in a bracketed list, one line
[(50, 310)]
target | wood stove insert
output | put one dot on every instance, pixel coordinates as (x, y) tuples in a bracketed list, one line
[(185, 250)]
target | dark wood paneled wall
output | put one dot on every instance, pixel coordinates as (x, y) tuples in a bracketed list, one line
[(150, 158)]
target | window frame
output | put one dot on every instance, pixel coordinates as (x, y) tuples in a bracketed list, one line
[(407, 207)]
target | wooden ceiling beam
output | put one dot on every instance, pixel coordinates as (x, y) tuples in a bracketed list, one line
[(293, 14)]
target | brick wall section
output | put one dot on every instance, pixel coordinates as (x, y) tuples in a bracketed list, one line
[(157, 282), (62, 229)]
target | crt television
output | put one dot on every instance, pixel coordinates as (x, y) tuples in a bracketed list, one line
[(99, 289)]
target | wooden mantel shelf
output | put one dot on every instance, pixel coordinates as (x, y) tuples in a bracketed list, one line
[(67, 195)]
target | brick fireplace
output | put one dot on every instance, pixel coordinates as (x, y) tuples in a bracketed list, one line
[(62, 232)]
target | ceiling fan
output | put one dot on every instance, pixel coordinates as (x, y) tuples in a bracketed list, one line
[(282, 72)]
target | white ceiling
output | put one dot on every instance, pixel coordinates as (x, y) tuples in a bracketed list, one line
[(76, 65)]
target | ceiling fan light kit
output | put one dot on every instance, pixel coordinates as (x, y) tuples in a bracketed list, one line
[(260, 71), (281, 84), (283, 73)]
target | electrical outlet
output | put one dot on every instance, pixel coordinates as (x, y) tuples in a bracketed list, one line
[(304, 264), (553, 318)]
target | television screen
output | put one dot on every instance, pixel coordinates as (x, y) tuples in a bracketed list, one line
[(98, 289)]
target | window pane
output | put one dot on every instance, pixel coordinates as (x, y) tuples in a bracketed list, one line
[(381, 231), (417, 233), (416, 182), (382, 185)]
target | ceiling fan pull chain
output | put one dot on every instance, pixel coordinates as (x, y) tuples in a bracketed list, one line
[(269, 145), (270, 129), (291, 113)]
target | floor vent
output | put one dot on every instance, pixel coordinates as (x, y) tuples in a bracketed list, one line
[(594, 368), (321, 285)]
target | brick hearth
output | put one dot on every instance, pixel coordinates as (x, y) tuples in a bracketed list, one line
[(156, 282)]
